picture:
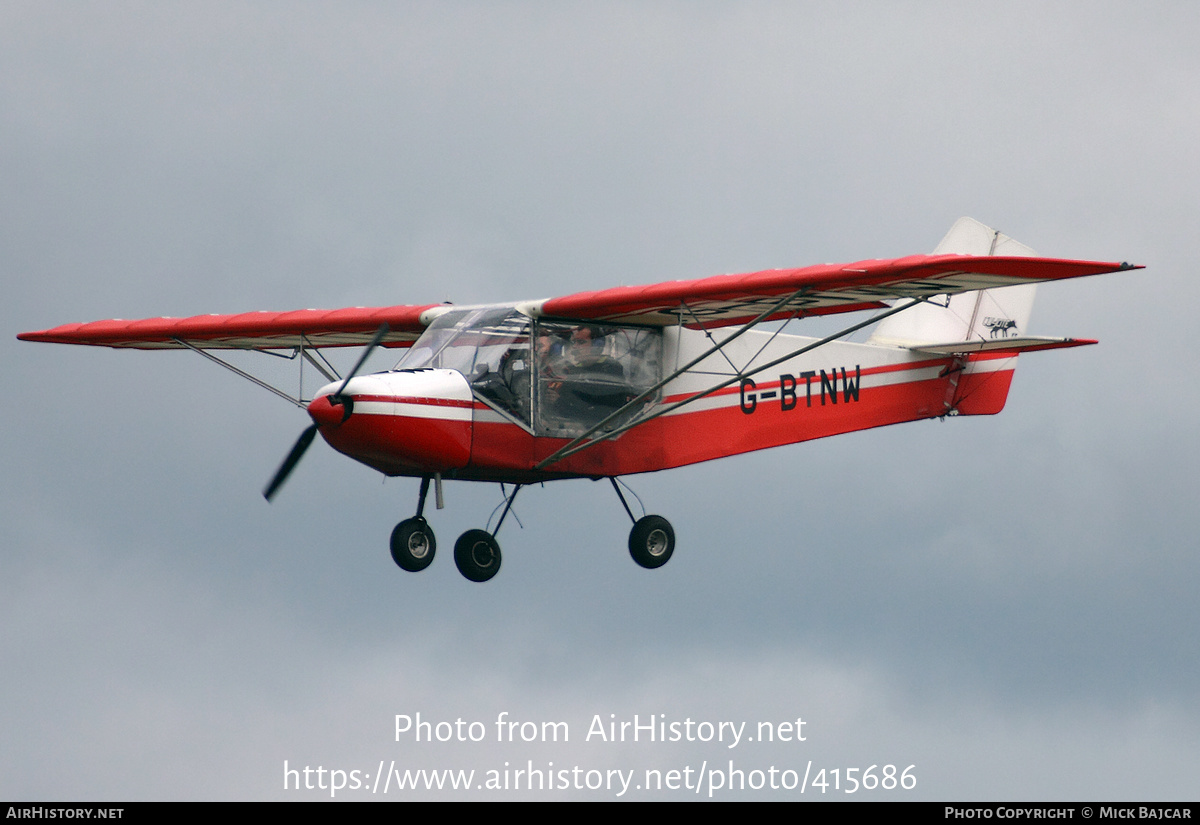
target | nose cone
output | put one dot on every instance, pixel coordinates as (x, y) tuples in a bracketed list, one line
[(330, 410), (325, 413)]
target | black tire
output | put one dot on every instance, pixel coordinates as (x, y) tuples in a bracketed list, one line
[(413, 545), (477, 555), (651, 541)]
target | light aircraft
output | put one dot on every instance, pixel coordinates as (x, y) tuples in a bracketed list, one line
[(636, 379)]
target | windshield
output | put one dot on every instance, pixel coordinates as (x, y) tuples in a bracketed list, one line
[(490, 347)]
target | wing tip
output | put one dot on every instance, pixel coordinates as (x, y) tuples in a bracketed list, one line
[(46, 336)]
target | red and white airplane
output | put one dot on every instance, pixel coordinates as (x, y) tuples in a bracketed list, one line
[(636, 379)]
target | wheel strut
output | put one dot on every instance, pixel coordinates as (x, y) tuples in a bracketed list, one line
[(421, 497), (621, 496), (507, 506)]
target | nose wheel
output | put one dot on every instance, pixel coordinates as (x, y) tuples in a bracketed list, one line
[(477, 555)]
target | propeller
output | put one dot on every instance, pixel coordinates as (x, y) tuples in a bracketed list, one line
[(289, 463), (310, 432)]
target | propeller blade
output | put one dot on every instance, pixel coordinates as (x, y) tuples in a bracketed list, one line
[(310, 432), (289, 463), (379, 333)]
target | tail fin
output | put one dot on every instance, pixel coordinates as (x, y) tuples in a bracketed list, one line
[(986, 315), (982, 331)]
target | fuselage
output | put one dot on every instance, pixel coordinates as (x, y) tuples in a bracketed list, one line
[(491, 395)]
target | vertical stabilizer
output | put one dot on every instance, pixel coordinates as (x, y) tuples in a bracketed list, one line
[(971, 316), (976, 384)]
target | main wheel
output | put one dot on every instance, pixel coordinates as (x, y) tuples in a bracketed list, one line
[(477, 555), (651, 541), (413, 544)]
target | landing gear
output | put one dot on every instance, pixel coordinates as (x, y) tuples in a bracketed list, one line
[(413, 544), (477, 555), (651, 541)]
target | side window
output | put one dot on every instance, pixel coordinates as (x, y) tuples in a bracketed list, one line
[(587, 371)]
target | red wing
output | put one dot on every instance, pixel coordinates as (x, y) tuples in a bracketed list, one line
[(352, 327), (724, 300), (721, 300)]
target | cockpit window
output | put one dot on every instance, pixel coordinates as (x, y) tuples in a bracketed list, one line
[(559, 377), (587, 371)]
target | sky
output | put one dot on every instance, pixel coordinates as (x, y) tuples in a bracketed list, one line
[(1006, 604)]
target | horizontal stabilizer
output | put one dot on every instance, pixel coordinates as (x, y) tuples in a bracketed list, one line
[(1015, 346)]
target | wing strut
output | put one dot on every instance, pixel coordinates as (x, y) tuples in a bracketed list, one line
[(330, 373), (584, 441), (240, 372), (721, 346)]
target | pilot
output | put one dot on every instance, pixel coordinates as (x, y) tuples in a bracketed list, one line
[(548, 350), (586, 343), (593, 382)]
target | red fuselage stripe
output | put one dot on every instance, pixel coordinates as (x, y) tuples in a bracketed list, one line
[(405, 399)]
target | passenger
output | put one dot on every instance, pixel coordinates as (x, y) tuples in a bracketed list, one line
[(593, 384)]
